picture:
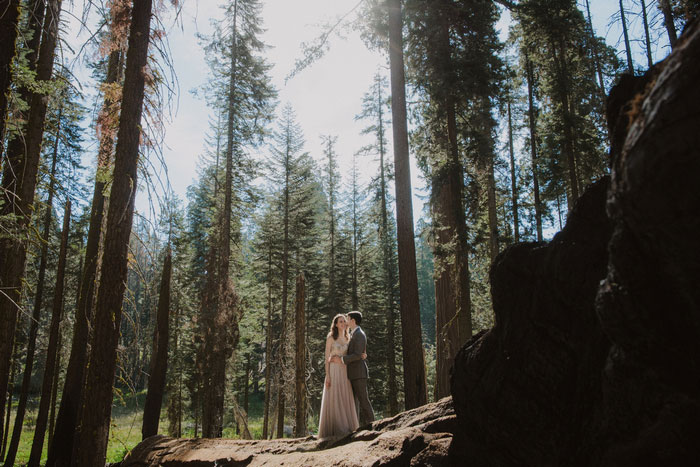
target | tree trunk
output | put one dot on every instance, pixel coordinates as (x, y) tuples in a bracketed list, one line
[(221, 346), (596, 55), (8, 34), (6, 423), (159, 358), (388, 260), (452, 295), (60, 448), (628, 50), (567, 120), (268, 347), (300, 386), (533, 147), (22, 160), (665, 7), (91, 442), (414, 363), (36, 314), (52, 351), (513, 181), (246, 386), (647, 39)]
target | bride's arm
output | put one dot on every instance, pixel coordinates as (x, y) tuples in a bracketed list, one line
[(327, 360)]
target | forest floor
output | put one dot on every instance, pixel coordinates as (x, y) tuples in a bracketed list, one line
[(127, 417)]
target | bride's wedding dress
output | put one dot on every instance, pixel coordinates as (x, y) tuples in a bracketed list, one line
[(338, 414)]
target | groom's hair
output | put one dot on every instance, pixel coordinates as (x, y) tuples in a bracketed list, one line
[(356, 315)]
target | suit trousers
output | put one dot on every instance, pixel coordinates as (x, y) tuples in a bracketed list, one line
[(359, 389)]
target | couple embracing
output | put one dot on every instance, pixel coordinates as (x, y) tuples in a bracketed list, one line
[(345, 387)]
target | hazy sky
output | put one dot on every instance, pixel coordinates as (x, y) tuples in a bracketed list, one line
[(325, 96)]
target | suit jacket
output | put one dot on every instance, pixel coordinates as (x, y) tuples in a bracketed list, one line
[(357, 368)]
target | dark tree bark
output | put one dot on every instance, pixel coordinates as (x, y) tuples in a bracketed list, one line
[(564, 95), (414, 363), (513, 181), (13, 368), (24, 160), (9, 16), (223, 330), (665, 7), (628, 50), (300, 347), (533, 147), (159, 357), (452, 295), (60, 448), (36, 314), (647, 39), (90, 445), (53, 349)]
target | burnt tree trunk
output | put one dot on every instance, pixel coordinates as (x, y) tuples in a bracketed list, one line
[(53, 349), (159, 358), (300, 347), (90, 445), (60, 448), (414, 363)]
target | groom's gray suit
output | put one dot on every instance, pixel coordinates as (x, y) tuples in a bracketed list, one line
[(358, 374)]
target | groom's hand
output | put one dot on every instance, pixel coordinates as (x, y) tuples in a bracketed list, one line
[(364, 356)]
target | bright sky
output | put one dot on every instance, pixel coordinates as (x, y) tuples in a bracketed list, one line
[(325, 96)]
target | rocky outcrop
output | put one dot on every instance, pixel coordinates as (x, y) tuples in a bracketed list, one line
[(582, 372), (419, 437)]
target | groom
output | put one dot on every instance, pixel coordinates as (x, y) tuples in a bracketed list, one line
[(357, 367)]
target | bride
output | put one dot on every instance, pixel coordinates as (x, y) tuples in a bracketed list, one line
[(338, 414)]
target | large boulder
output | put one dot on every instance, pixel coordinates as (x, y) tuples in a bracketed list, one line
[(595, 355), (418, 437)]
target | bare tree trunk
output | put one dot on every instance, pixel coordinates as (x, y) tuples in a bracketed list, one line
[(596, 55), (533, 147), (513, 181), (414, 363), (159, 357), (246, 385), (647, 39), (19, 183), (665, 7), (9, 16), (300, 386), (52, 351), (60, 448), (90, 445), (628, 50), (36, 314)]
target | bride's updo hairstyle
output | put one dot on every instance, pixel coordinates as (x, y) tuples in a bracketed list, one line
[(334, 332)]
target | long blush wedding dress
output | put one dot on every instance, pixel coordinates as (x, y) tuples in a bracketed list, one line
[(338, 414)]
